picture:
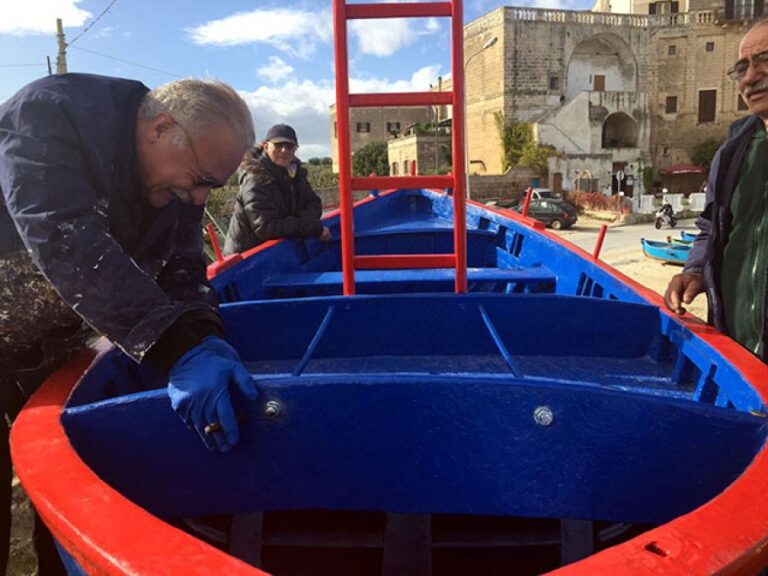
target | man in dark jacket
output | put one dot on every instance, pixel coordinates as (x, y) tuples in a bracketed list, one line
[(729, 259), (103, 185), (275, 199)]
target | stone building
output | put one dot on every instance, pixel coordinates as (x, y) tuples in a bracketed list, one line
[(377, 124), (613, 93)]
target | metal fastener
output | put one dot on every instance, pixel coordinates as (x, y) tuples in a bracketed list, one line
[(543, 416), (272, 409)]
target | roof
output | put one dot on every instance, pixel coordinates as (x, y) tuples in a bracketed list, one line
[(682, 169)]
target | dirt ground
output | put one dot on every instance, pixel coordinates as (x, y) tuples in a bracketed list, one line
[(22, 557), (652, 274), (649, 273)]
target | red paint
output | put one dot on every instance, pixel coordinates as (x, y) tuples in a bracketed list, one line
[(527, 201), (214, 242), (345, 101), (106, 533), (599, 243)]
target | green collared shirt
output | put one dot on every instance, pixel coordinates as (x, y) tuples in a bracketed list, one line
[(746, 254)]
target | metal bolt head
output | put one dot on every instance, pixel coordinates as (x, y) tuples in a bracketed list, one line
[(543, 416), (272, 409)]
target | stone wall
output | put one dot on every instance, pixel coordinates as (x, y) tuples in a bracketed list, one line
[(684, 67)]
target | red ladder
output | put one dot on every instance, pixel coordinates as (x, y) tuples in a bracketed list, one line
[(342, 12)]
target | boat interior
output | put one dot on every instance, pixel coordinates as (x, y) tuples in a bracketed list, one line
[(529, 423)]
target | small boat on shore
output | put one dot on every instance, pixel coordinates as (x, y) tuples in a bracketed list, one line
[(668, 252), (687, 236)]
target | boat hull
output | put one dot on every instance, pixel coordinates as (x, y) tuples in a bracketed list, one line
[(511, 403)]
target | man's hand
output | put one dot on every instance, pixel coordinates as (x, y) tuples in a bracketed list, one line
[(682, 289), (200, 385), (326, 234)]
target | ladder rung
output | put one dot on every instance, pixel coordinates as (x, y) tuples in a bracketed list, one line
[(394, 261), (406, 182), (417, 10), (400, 99)]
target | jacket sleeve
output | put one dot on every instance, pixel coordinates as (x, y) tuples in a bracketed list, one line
[(699, 251), (310, 205), (261, 205), (46, 179)]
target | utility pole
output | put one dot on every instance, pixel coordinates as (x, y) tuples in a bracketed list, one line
[(50, 70), (61, 58)]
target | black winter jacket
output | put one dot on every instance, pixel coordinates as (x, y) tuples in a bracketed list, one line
[(706, 256), (72, 200), (271, 204)]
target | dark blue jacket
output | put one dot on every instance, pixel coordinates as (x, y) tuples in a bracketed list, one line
[(706, 256), (71, 191)]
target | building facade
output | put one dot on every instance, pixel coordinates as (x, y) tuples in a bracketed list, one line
[(613, 93)]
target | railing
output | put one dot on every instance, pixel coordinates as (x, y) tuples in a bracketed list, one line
[(609, 19)]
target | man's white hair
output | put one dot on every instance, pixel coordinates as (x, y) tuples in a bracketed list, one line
[(201, 104)]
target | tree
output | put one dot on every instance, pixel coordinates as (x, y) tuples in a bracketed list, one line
[(704, 152), (371, 159), (536, 156), (515, 136)]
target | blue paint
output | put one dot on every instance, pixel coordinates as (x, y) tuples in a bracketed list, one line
[(409, 398)]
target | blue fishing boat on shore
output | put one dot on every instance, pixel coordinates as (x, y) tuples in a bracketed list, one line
[(668, 252), (444, 388), (687, 236)]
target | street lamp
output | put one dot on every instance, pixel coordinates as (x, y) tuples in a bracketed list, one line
[(488, 43)]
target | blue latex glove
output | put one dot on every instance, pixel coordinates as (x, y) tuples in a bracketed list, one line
[(199, 386)]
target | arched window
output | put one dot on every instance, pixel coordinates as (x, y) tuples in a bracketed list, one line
[(619, 131)]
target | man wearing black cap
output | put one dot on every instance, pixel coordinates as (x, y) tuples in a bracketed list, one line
[(275, 199)]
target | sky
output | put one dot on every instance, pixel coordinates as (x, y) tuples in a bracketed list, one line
[(277, 54)]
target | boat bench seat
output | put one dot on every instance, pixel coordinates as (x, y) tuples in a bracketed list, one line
[(520, 276)]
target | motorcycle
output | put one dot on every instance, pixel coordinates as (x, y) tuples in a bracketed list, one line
[(665, 215)]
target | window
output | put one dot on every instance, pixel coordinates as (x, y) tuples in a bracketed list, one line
[(393, 127), (554, 83), (670, 106), (407, 167), (671, 50), (363, 126), (394, 168), (710, 47), (741, 104), (335, 130), (707, 104)]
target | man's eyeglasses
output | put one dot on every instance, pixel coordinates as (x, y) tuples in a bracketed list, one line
[(759, 62), (202, 179), (285, 146)]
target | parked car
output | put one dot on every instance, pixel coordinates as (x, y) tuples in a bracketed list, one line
[(557, 214), (538, 194)]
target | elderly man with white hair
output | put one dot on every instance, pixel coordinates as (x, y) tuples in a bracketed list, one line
[(103, 188)]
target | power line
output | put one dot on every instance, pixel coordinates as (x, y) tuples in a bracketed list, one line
[(94, 22), (127, 62)]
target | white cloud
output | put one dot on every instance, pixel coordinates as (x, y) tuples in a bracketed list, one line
[(296, 32), (305, 105), (418, 82), (39, 16), (276, 70), (385, 37)]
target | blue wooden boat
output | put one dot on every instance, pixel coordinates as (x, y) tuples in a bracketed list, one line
[(542, 417), (446, 389), (687, 236), (669, 252)]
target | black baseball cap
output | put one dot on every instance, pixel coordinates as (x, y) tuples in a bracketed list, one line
[(282, 133)]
